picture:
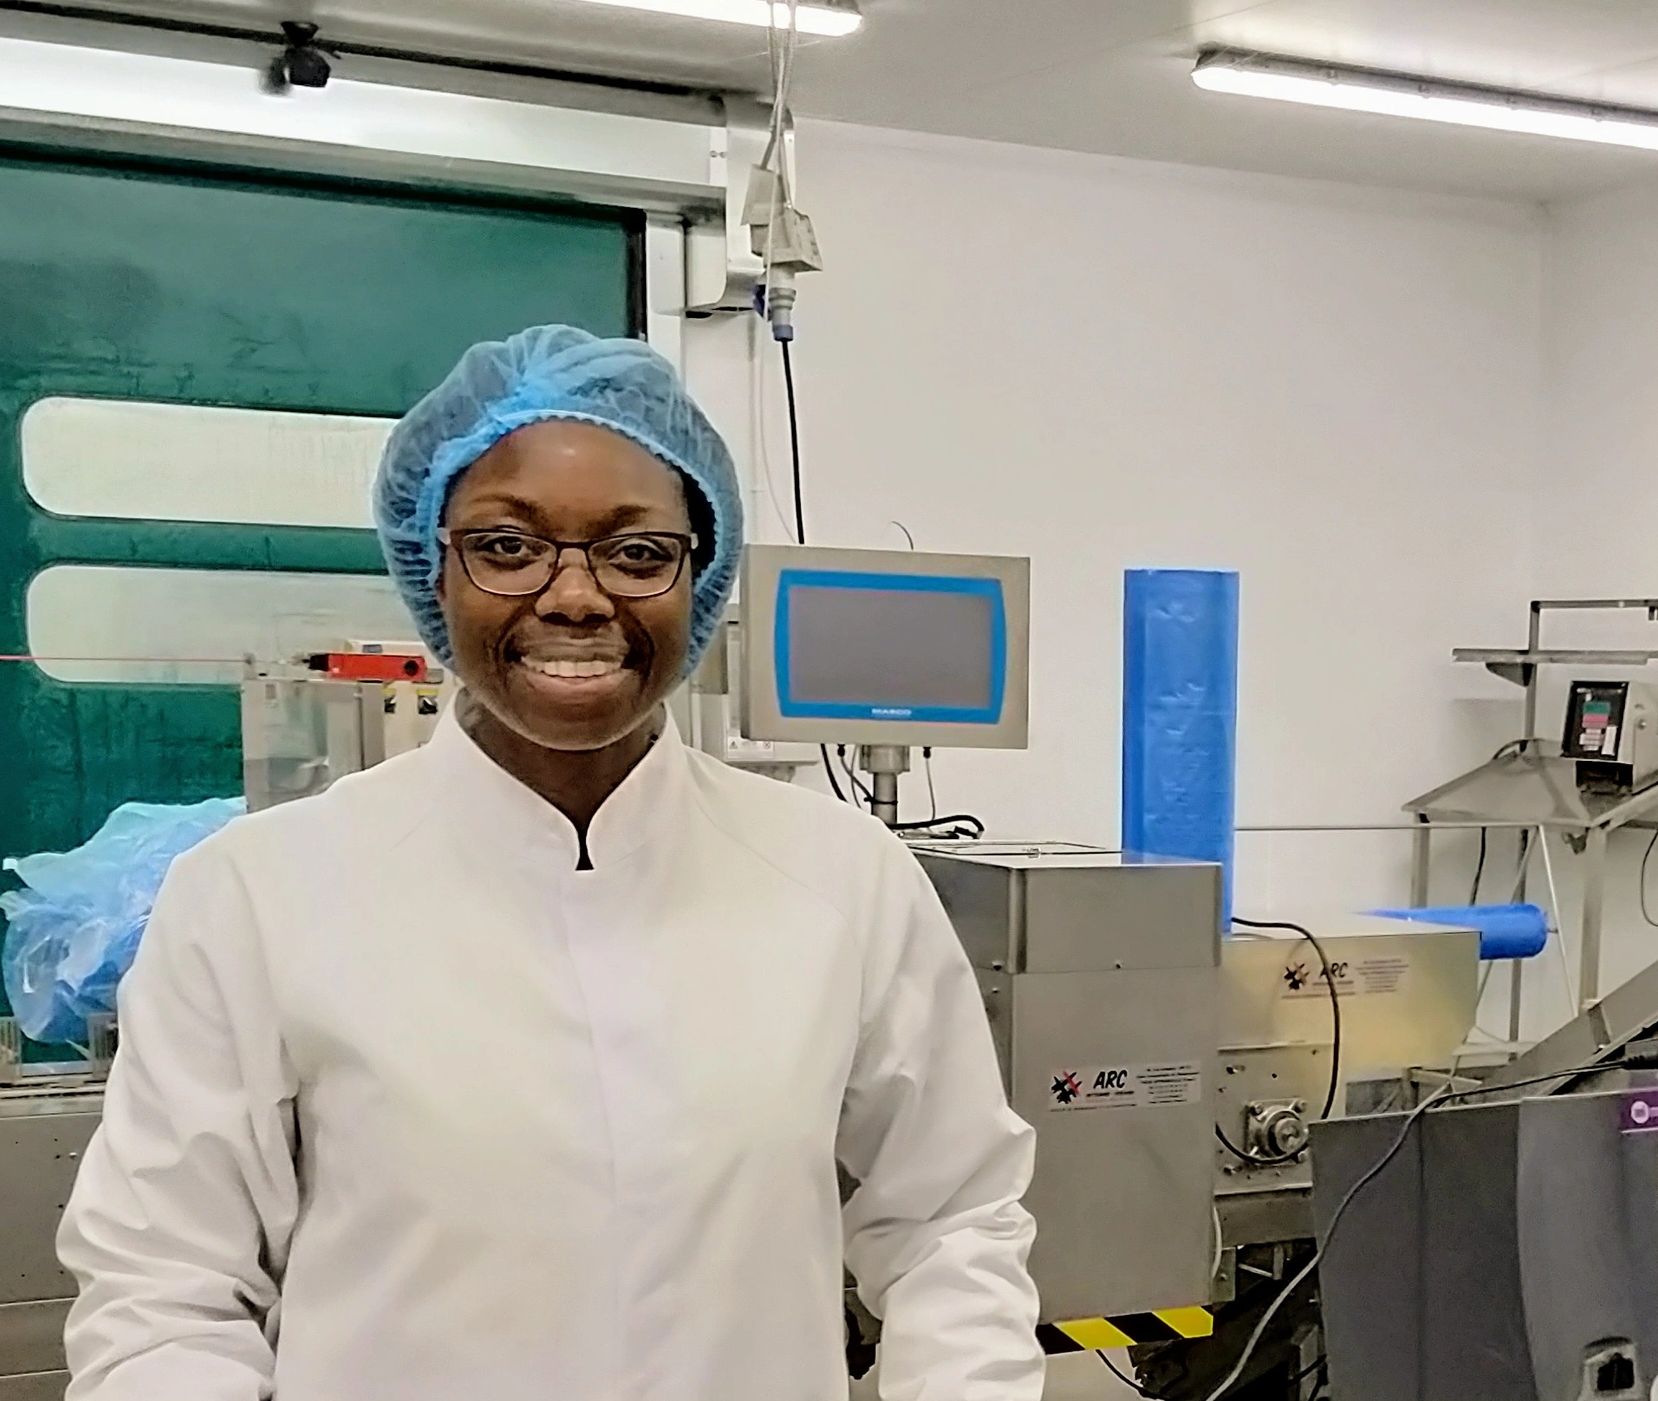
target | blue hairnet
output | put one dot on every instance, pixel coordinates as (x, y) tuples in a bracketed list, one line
[(548, 372)]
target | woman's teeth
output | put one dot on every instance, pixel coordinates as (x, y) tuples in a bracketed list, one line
[(572, 670)]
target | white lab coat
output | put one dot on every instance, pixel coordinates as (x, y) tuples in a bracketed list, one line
[(409, 1108)]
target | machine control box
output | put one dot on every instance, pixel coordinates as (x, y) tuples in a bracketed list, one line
[(1100, 981), (1612, 733)]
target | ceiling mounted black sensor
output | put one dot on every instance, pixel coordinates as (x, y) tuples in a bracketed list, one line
[(303, 63)]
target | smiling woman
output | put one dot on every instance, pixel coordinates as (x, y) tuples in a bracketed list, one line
[(698, 990), (571, 647), (532, 452), (547, 376)]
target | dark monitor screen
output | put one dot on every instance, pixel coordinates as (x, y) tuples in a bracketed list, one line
[(891, 647)]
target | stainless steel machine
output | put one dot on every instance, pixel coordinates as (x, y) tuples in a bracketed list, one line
[(43, 1133), (311, 721), (1507, 1252), (1100, 979), (1405, 995), (1134, 1039)]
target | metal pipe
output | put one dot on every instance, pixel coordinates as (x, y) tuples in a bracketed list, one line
[(1594, 900), (1420, 854), (1649, 604), (884, 797), (1517, 968), (884, 763), (1554, 912), (1534, 640), (1457, 826)]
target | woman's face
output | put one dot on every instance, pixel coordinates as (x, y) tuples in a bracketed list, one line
[(620, 657)]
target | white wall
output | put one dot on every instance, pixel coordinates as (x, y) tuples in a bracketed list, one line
[(1597, 478), (1597, 484), (1106, 363)]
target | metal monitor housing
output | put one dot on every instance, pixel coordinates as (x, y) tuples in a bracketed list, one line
[(768, 569)]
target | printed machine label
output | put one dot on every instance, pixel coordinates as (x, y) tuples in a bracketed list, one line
[(1125, 1086), (1366, 977)]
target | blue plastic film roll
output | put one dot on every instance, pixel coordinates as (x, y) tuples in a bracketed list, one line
[(1506, 931), (1180, 717)]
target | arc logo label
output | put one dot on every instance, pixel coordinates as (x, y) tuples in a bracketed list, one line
[(1125, 1086)]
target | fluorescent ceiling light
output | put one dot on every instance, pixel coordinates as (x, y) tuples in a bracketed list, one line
[(1401, 95), (830, 19)]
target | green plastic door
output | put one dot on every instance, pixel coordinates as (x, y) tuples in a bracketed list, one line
[(143, 283)]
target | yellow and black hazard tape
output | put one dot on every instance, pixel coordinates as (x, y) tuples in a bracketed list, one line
[(1125, 1330)]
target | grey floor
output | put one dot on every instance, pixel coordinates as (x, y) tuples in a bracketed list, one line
[(1078, 1377)]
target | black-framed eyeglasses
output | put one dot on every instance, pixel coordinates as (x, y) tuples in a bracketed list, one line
[(513, 564)]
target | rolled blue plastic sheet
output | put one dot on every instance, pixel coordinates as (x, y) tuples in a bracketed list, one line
[(1506, 931), (1180, 717)]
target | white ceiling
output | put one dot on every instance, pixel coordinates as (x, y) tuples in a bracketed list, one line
[(1107, 76)]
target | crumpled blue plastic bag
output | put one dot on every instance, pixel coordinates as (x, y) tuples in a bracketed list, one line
[(73, 930)]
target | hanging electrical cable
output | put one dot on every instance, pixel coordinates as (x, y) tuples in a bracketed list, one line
[(779, 233), (800, 521), (1646, 860), (961, 826), (1123, 1377), (782, 237), (858, 785), (758, 386), (1328, 974), (1517, 746), (758, 390), (829, 769), (794, 445)]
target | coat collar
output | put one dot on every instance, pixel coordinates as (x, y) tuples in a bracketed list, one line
[(647, 806)]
